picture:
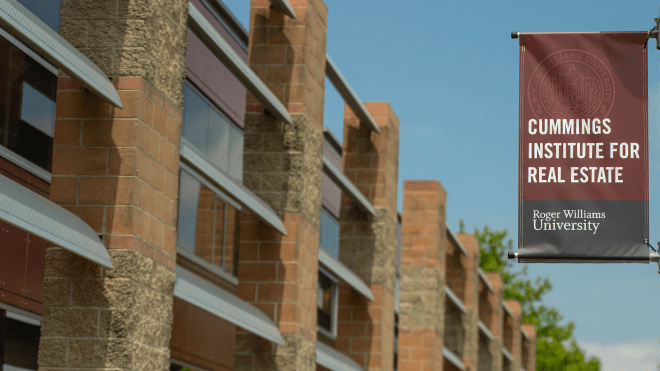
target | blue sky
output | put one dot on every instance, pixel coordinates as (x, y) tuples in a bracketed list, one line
[(450, 71)]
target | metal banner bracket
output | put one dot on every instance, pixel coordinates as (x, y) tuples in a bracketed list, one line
[(653, 33), (655, 257)]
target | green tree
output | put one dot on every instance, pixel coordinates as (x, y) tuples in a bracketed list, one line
[(556, 348)]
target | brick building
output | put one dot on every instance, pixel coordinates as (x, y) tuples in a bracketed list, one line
[(169, 198)]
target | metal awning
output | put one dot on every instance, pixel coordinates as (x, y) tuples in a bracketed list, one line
[(507, 310), (458, 243), (484, 279), (284, 7), (506, 354), (215, 300), (237, 190), (29, 29), (342, 271), (334, 360), (347, 186), (453, 358), (485, 330), (454, 299), (397, 293), (37, 215), (524, 334), (346, 92), (221, 49)]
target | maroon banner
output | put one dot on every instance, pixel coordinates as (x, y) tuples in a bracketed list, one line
[(583, 160)]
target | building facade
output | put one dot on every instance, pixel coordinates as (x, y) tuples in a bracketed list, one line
[(170, 199)]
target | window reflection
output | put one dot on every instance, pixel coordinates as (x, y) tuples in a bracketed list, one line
[(231, 240), (27, 105), (219, 231), (208, 225), (218, 141), (195, 116), (187, 218), (326, 302), (329, 233), (212, 133), (37, 109), (205, 224)]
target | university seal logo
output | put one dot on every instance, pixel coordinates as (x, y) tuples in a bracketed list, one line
[(571, 84)]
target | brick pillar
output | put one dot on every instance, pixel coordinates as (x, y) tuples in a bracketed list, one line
[(516, 337), (529, 348), (495, 323), (368, 245), (456, 273), (118, 170), (422, 273), (471, 301), (283, 165)]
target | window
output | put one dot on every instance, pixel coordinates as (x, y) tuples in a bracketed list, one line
[(211, 132), (27, 105), (208, 224), (396, 341), (327, 304), (19, 341), (329, 233)]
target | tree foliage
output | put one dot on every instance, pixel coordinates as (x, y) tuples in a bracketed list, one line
[(556, 348)]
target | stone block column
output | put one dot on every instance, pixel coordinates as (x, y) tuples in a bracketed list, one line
[(368, 244), (495, 319), (118, 170), (282, 164), (529, 348), (422, 290), (471, 301), (514, 341)]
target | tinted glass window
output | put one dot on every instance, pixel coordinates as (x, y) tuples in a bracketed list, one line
[(212, 133), (231, 240), (19, 344), (195, 119), (326, 302), (187, 219), (329, 233), (396, 341), (208, 226), (48, 11), (27, 106)]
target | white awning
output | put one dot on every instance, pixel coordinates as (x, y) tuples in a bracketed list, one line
[(343, 272), (506, 354), (524, 334), (349, 95), (29, 29), (397, 293), (219, 47), (237, 190), (458, 243), (215, 300), (453, 358), (347, 186), (334, 360), (284, 7), (507, 310), (484, 279), (454, 299), (37, 215), (484, 330)]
